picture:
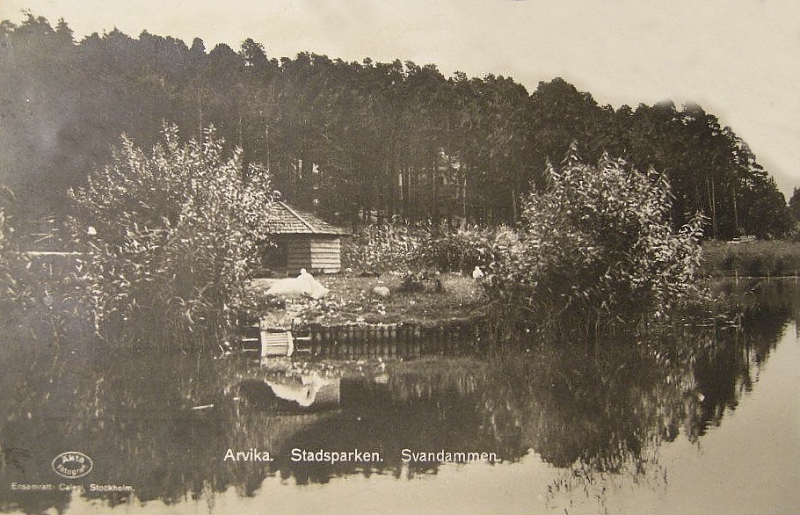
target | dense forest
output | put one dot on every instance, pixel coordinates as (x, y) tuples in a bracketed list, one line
[(354, 142)]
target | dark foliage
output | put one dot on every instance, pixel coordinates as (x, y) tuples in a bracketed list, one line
[(356, 142)]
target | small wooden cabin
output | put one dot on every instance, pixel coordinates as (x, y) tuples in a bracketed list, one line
[(304, 241)]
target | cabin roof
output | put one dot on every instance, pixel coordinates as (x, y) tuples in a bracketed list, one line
[(285, 219)]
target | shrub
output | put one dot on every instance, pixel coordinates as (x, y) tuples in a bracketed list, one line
[(172, 233), (598, 248), (422, 248), (459, 251), (381, 248)]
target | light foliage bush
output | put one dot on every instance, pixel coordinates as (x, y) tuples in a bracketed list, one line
[(598, 248), (172, 233)]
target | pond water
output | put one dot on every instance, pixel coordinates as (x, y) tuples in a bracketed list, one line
[(561, 428)]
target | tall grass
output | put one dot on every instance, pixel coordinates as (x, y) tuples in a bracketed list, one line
[(775, 258), (403, 247), (382, 248), (172, 233)]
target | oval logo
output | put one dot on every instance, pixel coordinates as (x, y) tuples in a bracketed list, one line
[(72, 465)]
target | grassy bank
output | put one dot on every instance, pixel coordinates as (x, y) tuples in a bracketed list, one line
[(353, 299), (752, 259)]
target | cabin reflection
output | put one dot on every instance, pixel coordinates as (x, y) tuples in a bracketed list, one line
[(290, 395), (598, 415)]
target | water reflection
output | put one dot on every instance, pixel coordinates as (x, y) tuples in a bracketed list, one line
[(165, 424), (290, 394)]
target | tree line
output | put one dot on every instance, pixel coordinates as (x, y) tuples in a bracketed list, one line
[(353, 142)]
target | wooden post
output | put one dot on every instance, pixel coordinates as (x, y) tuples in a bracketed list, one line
[(402, 339), (336, 336), (363, 344), (351, 337), (348, 338), (393, 340), (382, 343)]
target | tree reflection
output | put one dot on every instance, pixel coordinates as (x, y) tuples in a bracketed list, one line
[(592, 412)]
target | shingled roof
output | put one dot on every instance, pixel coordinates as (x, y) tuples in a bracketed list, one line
[(285, 219)]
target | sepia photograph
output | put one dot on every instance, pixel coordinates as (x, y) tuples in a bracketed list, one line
[(474, 257)]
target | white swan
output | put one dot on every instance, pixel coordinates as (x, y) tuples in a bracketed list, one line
[(303, 284)]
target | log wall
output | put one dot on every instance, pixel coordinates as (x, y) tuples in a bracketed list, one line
[(445, 338)]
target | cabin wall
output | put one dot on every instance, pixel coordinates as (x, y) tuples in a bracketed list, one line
[(326, 255), (315, 253), (298, 254)]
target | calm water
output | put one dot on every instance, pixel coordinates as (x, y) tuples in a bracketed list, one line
[(556, 429)]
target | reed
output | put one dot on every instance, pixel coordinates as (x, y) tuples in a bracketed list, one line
[(776, 258)]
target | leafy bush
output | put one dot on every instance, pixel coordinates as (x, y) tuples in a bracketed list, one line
[(400, 247), (598, 249), (381, 248), (461, 250), (172, 233)]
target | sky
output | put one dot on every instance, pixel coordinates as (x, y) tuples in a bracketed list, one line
[(738, 59)]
